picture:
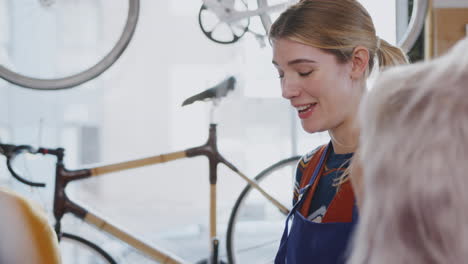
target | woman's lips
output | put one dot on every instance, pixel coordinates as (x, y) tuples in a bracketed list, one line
[(305, 111)]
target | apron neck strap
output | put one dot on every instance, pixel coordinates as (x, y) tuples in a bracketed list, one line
[(317, 166)]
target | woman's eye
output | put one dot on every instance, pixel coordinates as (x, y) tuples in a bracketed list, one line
[(280, 75), (304, 74)]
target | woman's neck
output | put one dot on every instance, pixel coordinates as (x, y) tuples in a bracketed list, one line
[(345, 137)]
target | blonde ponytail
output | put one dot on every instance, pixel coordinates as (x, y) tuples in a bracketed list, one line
[(389, 55)]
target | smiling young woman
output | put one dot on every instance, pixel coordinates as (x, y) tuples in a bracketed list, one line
[(324, 50)]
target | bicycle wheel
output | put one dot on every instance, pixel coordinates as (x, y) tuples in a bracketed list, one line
[(255, 225), (77, 250), (62, 44), (216, 21)]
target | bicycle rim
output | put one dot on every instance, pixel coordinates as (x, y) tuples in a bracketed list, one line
[(77, 250), (415, 26), (37, 24), (255, 225)]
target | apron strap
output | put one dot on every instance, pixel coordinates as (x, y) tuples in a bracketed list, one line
[(311, 177), (316, 163)]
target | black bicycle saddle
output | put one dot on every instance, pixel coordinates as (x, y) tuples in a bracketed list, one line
[(218, 91)]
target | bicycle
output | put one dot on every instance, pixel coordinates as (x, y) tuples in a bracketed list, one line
[(62, 204), (235, 16), (41, 9)]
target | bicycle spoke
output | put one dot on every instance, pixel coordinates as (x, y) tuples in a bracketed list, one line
[(233, 30), (238, 28), (209, 20), (222, 32)]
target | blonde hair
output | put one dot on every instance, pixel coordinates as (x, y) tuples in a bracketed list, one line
[(414, 148), (337, 27)]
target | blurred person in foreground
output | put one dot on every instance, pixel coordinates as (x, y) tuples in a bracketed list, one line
[(26, 236), (413, 157)]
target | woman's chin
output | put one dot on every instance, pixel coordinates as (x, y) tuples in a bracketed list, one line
[(311, 129)]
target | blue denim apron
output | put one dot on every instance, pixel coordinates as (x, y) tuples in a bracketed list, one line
[(309, 242)]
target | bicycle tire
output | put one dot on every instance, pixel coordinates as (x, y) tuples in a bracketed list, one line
[(415, 26), (230, 247), (88, 74), (103, 255)]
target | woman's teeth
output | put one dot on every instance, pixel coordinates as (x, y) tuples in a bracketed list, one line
[(305, 107)]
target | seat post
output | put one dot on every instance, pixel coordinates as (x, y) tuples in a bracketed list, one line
[(213, 117)]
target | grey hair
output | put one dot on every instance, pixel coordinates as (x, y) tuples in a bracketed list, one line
[(414, 152)]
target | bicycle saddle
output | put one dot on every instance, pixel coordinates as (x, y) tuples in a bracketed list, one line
[(218, 91)]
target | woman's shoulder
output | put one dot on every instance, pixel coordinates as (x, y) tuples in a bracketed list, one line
[(306, 158), (304, 162), (300, 169)]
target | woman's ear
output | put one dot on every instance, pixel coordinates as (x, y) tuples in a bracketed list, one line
[(360, 62)]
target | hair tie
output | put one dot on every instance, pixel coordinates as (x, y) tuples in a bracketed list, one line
[(378, 42)]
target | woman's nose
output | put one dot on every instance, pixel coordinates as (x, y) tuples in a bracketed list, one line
[(289, 88)]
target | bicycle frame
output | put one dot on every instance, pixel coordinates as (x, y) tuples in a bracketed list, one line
[(62, 204)]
